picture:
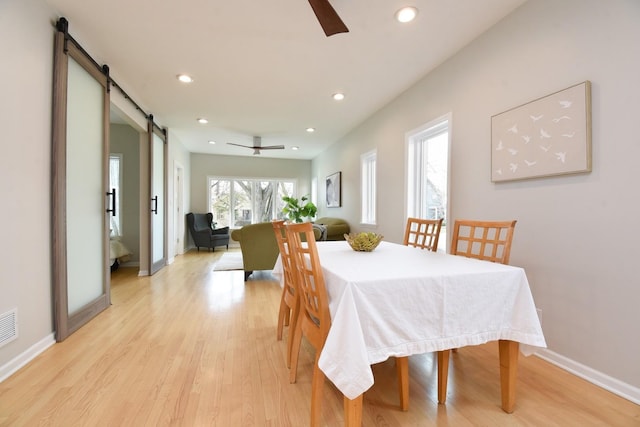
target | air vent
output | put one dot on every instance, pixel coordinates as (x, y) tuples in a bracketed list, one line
[(8, 326)]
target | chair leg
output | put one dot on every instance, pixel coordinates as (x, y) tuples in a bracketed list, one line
[(295, 313), (317, 384), (443, 374), (402, 365), (295, 350), (282, 314)]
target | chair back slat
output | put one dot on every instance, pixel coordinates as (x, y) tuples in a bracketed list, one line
[(485, 240)]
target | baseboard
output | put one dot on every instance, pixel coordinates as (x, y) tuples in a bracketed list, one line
[(606, 382), (27, 356), (130, 264), (142, 273)]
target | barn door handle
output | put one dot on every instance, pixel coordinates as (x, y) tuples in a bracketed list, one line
[(113, 201), (155, 204)]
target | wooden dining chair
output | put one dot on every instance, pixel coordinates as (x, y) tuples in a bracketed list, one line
[(314, 321), (289, 301), (484, 240), (422, 233)]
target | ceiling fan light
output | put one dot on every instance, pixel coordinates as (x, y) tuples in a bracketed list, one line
[(311, 130), (406, 14), (295, 148), (212, 142), (338, 96), (203, 121)]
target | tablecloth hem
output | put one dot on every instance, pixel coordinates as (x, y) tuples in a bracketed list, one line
[(529, 344)]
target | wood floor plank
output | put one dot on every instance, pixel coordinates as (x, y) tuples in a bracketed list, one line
[(193, 347)]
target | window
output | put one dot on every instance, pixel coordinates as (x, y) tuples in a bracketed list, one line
[(115, 182), (314, 190), (238, 202), (368, 183), (427, 171)]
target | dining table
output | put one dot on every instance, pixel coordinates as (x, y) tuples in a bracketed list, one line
[(400, 301)]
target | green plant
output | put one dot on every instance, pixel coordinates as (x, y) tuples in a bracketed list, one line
[(297, 210)]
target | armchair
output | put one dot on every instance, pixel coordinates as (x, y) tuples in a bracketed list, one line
[(203, 233), (258, 246)]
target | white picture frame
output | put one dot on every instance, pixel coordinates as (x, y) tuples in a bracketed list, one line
[(546, 137), (333, 190)]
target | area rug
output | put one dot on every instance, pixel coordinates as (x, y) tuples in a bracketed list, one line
[(229, 261)]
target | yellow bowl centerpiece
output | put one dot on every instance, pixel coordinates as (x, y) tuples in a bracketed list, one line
[(363, 241)]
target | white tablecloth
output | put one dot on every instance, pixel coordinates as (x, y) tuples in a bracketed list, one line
[(399, 301)]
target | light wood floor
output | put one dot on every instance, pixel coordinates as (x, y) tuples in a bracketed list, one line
[(193, 347)]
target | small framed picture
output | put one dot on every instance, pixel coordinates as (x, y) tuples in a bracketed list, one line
[(333, 190)]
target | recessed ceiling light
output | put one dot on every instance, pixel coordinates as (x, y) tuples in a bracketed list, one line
[(203, 121), (310, 130), (338, 96), (294, 147), (212, 142), (406, 14), (185, 78)]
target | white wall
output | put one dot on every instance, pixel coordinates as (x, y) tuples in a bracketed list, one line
[(576, 235), (26, 43)]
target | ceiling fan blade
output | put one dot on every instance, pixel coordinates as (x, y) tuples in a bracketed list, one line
[(239, 145), (256, 148), (328, 18)]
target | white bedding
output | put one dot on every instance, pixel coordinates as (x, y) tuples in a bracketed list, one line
[(117, 250)]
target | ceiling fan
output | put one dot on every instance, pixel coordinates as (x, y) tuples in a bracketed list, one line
[(257, 146), (328, 18)]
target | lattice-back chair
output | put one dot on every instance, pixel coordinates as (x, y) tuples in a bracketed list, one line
[(314, 320), (486, 240), (423, 233), (289, 301)]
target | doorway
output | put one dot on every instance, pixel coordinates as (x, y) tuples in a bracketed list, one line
[(124, 177)]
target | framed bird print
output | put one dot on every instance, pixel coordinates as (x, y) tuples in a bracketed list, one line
[(545, 137)]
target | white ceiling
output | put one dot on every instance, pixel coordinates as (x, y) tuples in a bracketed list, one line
[(265, 68)]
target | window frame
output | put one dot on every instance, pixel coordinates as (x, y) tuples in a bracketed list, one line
[(423, 133), (368, 187)]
